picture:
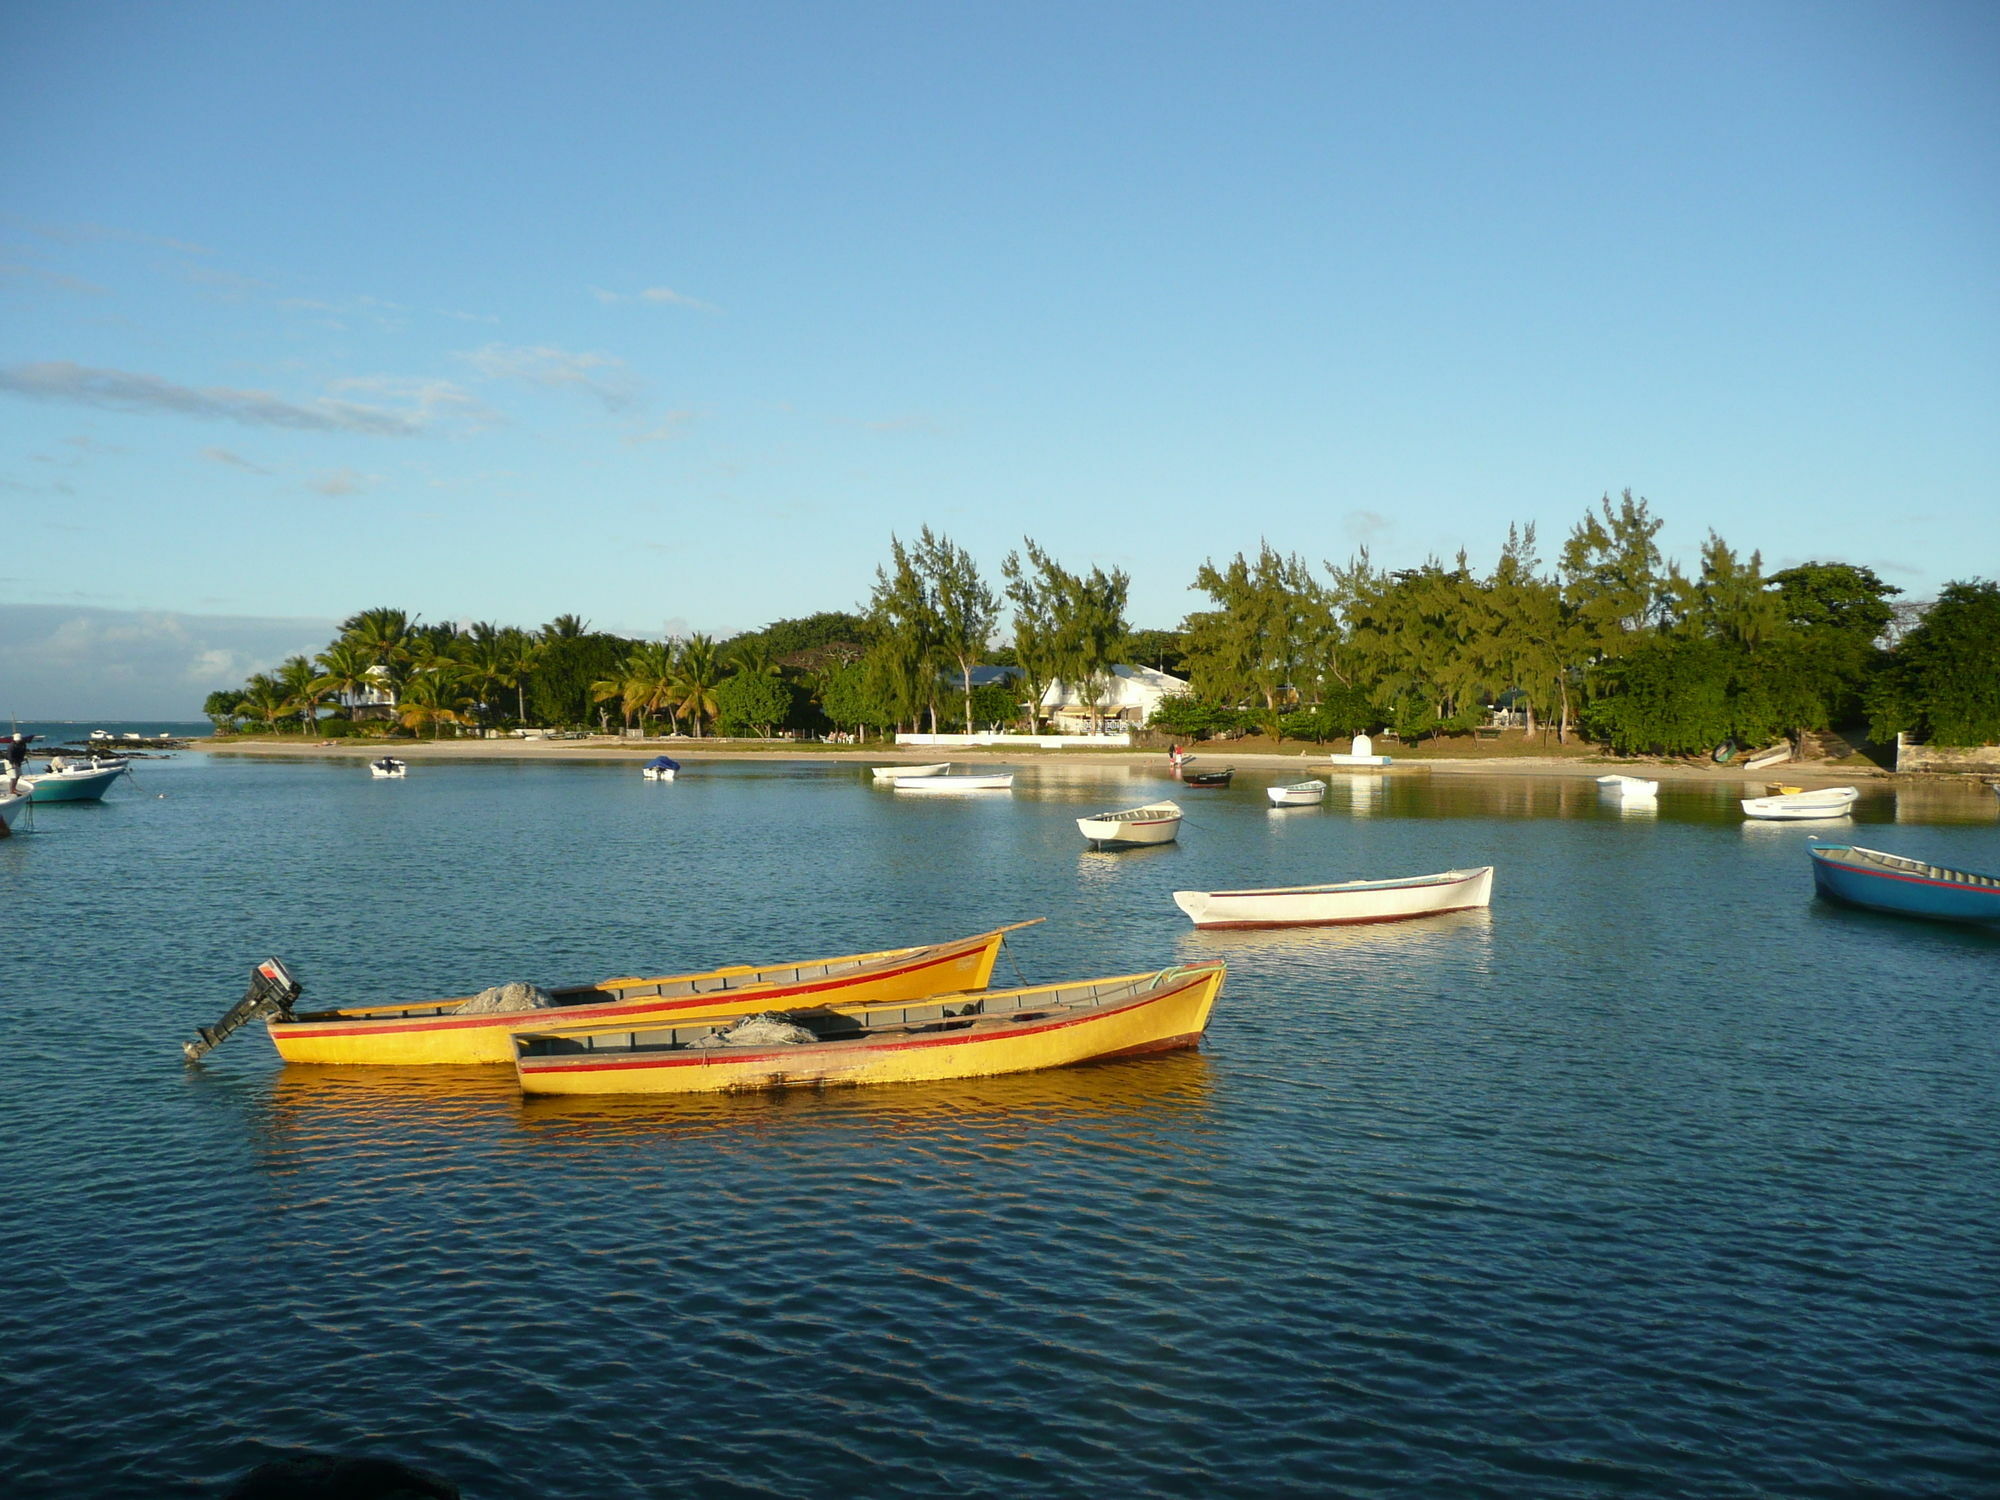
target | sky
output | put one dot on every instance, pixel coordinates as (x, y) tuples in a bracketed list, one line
[(670, 316)]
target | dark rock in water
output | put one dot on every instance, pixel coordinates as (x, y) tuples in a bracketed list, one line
[(329, 1476)]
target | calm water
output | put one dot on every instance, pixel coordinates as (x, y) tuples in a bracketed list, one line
[(1658, 1179)]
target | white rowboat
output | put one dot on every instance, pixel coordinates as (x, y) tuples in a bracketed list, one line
[(897, 773), (1628, 788), (1298, 794), (1155, 823), (949, 784), (1350, 901), (1777, 755), (1795, 807), (388, 767)]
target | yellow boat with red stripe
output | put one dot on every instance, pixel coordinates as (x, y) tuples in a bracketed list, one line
[(433, 1031), (945, 1036)]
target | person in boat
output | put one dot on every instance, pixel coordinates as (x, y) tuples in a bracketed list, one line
[(17, 752)]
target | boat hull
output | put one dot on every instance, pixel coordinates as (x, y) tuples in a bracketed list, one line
[(1802, 807), (945, 786), (1173, 1016), (383, 1036), (71, 786), (898, 773), (1303, 794), (1908, 888), (1350, 903), (1141, 827), (11, 809)]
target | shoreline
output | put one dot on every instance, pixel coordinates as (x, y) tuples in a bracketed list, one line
[(1314, 762)]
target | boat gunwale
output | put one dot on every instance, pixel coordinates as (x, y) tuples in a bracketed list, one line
[(1955, 880), (1412, 882)]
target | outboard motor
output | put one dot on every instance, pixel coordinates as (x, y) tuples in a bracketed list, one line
[(271, 993)]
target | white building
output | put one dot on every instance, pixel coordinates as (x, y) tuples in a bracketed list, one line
[(1125, 697)]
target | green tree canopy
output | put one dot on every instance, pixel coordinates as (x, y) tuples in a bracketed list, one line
[(1942, 683)]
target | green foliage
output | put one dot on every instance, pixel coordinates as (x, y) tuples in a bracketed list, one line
[(222, 708), (849, 699), (1343, 712), (1836, 597), (1161, 650), (752, 702), (812, 633), (1193, 717), (1942, 683), (560, 691), (1068, 627), (1272, 626)]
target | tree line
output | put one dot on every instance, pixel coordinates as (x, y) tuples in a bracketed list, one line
[(1611, 641)]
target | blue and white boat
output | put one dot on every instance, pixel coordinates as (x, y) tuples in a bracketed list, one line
[(1908, 887), (660, 768), (67, 783)]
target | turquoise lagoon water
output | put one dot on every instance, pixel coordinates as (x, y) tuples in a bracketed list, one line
[(1658, 1179)]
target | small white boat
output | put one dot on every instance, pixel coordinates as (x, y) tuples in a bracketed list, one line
[(1794, 807), (945, 785), (660, 768), (1360, 753), (11, 806), (1628, 788), (1155, 823), (897, 773), (1776, 755), (1349, 901), (388, 767), (1298, 794)]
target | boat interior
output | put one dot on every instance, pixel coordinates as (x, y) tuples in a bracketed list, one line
[(1865, 858)]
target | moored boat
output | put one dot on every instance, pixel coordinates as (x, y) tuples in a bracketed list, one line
[(1155, 823), (898, 773), (463, 1029), (388, 768), (1298, 794), (1347, 901), (1796, 807), (945, 1036), (946, 785), (1217, 778), (12, 805), (1907, 887), (1775, 755), (660, 768), (1628, 788), (67, 783)]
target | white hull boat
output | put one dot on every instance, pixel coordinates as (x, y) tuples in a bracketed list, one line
[(1155, 823), (1798, 807), (1298, 794), (655, 773), (11, 806), (660, 768), (388, 768), (1350, 901), (898, 773), (1628, 788), (1777, 755), (1361, 753), (946, 785)]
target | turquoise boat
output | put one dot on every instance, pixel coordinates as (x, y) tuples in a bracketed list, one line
[(1907, 887), (74, 783)]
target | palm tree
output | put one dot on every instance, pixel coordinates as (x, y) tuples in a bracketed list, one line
[(345, 670), (432, 697), (302, 691), (264, 699), (382, 634), (697, 669), (566, 628)]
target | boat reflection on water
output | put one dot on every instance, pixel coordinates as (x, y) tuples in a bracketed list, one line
[(1363, 794), (363, 1106), (1351, 954)]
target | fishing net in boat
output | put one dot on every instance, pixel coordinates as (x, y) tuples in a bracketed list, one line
[(505, 997), (770, 1028)]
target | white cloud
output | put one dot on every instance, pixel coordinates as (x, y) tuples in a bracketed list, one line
[(671, 425), (55, 279), (658, 295), (233, 460), (342, 481)]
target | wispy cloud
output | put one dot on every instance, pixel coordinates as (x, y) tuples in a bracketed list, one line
[(76, 234), (672, 425), (342, 481), (425, 402), (658, 295), (603, 376), (53, 278), (1363, 526), (233, 460)]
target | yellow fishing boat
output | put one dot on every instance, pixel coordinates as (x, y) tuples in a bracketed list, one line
[(946, 1036), (458, 1031)]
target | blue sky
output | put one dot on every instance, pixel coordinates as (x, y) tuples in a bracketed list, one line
[(669, 316)]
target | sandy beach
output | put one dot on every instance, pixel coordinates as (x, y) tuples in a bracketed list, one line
[(1310, 762)]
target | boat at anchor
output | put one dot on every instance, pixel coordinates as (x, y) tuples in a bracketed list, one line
[(1904, 886), (942, 1036), (1155, 823), (475, 1028), (1348, 901)]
